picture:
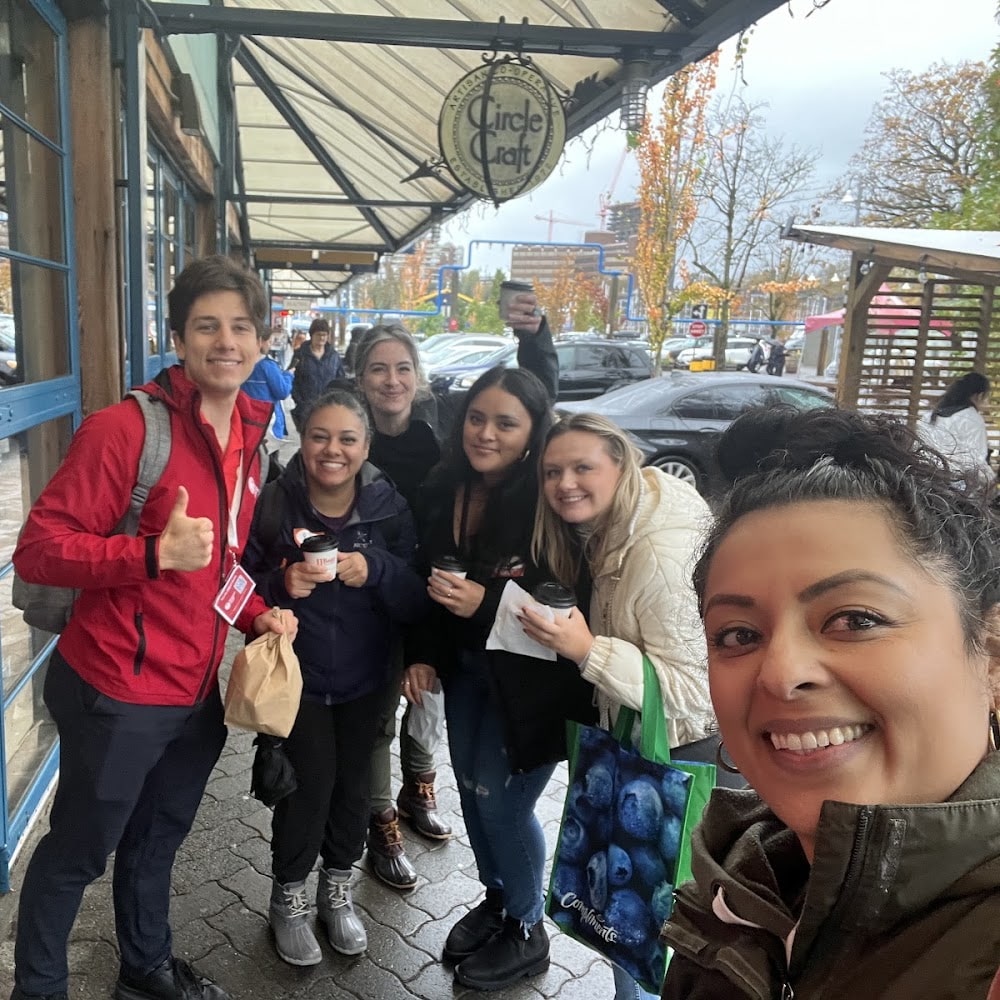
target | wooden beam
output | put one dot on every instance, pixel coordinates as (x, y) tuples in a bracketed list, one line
[(94, 122), (323, 259)]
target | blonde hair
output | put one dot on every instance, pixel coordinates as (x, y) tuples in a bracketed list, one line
[(390, 333), (552, 541)]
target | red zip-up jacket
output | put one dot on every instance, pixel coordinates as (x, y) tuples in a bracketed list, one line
[(136, 634)]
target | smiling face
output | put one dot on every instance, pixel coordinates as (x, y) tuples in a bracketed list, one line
[(579, 477), (219, 346), (389, 380), (334, 448), (496, 432), (838, 667)]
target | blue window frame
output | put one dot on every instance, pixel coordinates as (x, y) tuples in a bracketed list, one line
[(40, 395)]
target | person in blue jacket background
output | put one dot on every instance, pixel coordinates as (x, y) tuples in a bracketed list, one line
[(347, 628), (271, 383)]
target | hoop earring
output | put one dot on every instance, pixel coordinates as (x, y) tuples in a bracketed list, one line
[(720, 759), (995, 729)]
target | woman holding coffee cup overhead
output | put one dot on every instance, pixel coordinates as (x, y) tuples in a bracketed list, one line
[(627, 536), (409, 422), (335, 536)]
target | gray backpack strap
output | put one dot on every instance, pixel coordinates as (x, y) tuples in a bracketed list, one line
[(152, 461)]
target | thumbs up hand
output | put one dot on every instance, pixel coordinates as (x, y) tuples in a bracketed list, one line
[(186, 543)]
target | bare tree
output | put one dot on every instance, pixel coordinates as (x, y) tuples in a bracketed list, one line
[(921, 145), (750, 185)]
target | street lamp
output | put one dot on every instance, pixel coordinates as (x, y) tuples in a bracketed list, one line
[(854, 198)]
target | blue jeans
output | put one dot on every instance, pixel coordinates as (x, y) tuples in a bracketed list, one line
[(498, 807), (626, 988)]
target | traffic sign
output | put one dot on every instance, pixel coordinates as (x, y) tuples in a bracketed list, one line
[(698, 329)]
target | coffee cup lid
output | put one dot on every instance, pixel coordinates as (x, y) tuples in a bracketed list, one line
[(319, 543), (554, 595), (517, 286), (448, 563)]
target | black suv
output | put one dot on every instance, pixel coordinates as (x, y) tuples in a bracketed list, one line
[(587, 368)]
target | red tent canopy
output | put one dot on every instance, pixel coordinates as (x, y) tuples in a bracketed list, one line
[(888, 313)]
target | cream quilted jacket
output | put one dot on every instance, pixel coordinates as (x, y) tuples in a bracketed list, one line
[(643, 601)]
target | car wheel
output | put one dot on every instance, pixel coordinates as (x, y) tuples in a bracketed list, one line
[(679, 468)]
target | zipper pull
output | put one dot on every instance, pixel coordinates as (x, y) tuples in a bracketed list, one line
[(787, 993)]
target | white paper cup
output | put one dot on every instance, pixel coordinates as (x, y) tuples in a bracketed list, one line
[(327, 559), (461, 574)]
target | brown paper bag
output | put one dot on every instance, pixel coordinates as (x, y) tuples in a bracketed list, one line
[(265, 686)]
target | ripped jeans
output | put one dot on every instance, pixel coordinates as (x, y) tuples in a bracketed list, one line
[(498, 807)]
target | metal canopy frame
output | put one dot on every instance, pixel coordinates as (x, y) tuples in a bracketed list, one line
[(358, 132)]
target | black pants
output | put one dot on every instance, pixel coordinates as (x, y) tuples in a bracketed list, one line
[(130, 781), (330, 748)]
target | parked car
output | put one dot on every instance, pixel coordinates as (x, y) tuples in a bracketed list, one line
[(432, 348), (676, 420), (9, 373), (587, 368), (737, 352), (471, 354)]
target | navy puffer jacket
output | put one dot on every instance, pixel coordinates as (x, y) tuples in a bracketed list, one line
[(346, 634)]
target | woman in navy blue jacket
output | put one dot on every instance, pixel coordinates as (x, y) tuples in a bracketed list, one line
[(347, 627)]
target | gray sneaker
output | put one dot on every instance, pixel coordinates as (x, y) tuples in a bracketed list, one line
[(335, 908), (290, 916)]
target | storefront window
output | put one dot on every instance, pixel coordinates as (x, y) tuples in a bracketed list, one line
[(29, 733), (29, 68), (37, 334), (171, 228)]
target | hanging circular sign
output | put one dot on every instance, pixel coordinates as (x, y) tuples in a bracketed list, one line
[(502, 129)]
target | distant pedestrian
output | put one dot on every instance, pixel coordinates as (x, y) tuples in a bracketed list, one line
[(271, 384), (757, 357), (956, 428), (776, 359), (316, 363)]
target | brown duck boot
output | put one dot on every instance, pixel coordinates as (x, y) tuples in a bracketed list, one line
[(386, 856), (418, 804)]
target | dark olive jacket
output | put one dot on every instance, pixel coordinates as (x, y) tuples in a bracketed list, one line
[(900, 902)]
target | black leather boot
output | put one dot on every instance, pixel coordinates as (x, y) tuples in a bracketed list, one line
[(386, 856), (506, 958), (418, 803), (476, 928), (173, 980)]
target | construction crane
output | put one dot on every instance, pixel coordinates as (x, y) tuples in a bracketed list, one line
[(552, 219), (606, 197)]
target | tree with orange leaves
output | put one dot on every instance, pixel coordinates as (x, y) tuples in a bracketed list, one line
[(413, 279), (670, 152)]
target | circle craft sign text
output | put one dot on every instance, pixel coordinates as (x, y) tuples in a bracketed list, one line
[(502, 130)]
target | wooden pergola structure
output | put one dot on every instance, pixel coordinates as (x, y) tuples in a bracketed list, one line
[(944, 319)]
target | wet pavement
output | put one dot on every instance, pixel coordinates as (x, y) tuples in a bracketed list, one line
[(221, 888)]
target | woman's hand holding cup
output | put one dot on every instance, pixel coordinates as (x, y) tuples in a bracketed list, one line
[(459, 595), (302, 578)]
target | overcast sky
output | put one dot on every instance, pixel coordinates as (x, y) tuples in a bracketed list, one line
[(820, 76)]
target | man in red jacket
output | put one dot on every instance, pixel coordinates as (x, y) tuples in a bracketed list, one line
[(132, 685)]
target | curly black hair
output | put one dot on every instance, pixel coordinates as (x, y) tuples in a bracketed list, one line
[(777, 455)]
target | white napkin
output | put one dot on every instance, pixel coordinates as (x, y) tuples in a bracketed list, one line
[(508, 633)]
